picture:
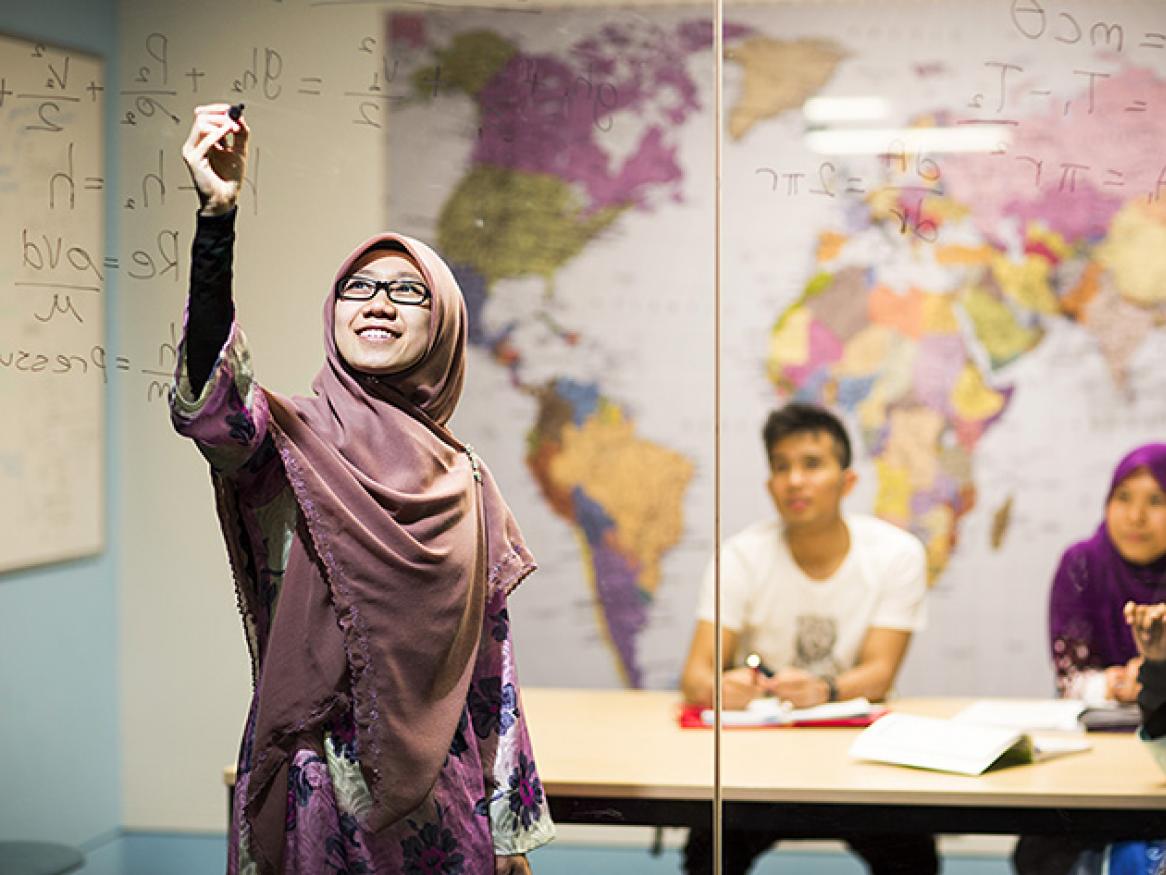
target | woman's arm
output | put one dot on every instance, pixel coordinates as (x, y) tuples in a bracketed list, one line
[(214, 399), (1080, 670), (210, 310), (1148, 625), (1078, 674), (215, 153)]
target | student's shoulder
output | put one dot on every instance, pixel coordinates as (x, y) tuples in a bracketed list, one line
[(1078, 563), (1076, 552), (762, 535), (882, 538), (757, 530)]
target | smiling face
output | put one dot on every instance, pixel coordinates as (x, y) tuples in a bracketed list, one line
[(1135, 518), (377, 336), (807, 480)]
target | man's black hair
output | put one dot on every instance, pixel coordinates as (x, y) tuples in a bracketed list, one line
[(800, 418)]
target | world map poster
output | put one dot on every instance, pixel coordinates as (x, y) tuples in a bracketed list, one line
[(946, 222)]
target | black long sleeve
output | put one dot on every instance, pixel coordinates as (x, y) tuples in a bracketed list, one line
[(211, 309), (1152, 698)]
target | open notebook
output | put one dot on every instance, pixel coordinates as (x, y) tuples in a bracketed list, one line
[(957, 745)]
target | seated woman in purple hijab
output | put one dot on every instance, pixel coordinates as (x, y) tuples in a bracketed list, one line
[(373, 555), (1094, 651), (1094, 654)]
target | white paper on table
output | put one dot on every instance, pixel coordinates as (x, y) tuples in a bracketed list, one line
[(1029, 715), (954, 746), (773, 712), (844, 710), (1049, 746)]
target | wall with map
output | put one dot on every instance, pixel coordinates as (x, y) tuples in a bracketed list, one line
[(965, 264), (982, 304)]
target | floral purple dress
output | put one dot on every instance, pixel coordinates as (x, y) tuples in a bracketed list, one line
[(488, 800)]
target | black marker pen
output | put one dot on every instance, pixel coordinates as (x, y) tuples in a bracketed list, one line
[(754, 662), (235, 111)]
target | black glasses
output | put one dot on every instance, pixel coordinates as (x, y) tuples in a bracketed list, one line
[(359, 288)]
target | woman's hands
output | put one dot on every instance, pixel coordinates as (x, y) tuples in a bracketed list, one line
[(1121, 681), (216, 161), (1148, 623)]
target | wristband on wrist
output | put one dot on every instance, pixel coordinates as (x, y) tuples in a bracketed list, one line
[(831, 688)]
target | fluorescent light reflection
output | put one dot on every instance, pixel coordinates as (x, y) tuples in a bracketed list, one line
[(832, 110), (880, 141)]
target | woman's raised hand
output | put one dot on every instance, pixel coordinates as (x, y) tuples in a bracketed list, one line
[(1148, 623), (216, 161)]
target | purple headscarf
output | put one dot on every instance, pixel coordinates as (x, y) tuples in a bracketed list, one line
[(1093, 582)]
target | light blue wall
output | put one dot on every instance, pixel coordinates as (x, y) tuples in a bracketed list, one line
[(59, 749)]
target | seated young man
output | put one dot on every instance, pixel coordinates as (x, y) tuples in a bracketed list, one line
[(828, 600)]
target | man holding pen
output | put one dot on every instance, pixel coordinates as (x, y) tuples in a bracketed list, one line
[(827, 601)]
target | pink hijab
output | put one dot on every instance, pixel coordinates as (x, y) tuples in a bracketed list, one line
[(403, 533)]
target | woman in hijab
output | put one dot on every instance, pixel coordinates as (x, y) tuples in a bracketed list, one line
[(373, 555), (1093, 651), (1095, 654)]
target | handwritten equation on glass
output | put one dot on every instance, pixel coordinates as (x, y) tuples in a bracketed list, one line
[(53, 274)]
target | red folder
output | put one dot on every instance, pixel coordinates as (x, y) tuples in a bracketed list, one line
[(689, 718)]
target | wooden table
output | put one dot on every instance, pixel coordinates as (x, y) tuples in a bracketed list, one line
[(618, 756)]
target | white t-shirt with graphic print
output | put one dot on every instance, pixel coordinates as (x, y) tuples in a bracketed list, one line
[(818, 625)]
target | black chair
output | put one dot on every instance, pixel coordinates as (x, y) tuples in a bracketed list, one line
[(38, 858)]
